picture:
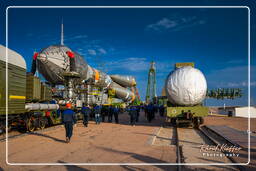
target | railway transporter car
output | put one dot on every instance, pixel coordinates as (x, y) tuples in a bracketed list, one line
[(24, 100)]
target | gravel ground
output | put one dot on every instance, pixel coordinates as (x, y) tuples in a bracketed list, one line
[(240, 124), (107, 142), (233, 122)]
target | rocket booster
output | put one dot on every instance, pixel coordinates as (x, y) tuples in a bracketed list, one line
[(54, 60)]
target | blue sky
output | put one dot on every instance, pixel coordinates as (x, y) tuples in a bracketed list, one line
[(124, 41)]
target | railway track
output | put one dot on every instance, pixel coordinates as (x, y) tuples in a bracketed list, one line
[(189, 141), (178, 150)]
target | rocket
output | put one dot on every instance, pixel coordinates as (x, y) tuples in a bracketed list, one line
[(56, 60), (52, 62)]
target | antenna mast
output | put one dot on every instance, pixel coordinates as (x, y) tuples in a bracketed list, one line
[(62, 34)]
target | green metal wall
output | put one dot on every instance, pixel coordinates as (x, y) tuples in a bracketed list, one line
[(199, 111), (16, 89)]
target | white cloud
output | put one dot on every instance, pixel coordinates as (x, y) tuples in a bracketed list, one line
[(102, 51), (241, 84), (80, 36), (131, 64), (139, 64), (236, 61), (175, 23), (92, 52), (164, 23), (235, 76)]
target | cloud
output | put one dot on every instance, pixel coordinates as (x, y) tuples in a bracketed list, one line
[(69, 38), (130, 64), (234, 76), (95, 52), (174, 23), (92, 52), (139, 64), (241, 84), (102, 51), (164, 23), (80, 36), (238, 61)]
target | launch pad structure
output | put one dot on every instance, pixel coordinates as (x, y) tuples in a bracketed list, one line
[(151, 85)]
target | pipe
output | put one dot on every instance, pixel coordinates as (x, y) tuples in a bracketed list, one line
[(41, 106)]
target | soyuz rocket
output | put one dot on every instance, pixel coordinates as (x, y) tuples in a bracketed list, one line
[(56, 60), (53, 61)]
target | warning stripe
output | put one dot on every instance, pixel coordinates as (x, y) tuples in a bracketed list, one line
[(17, 97)]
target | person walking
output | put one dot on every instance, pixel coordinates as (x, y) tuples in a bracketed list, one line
[(146, 110), (110, 113), (132, 113), (138, 113), (150, 112), (116, 112), (97, 112), (161, 110), (69, 119), (86, 111), (104, 112)]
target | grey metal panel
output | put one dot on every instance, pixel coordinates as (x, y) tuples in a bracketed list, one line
[(53, 62)]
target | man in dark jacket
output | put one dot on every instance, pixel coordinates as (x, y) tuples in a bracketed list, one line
[(104, 113), (97, 112), (150, 112), (86, 111), (116, 112), (138, 113), (133, 114), (68, 120), (161, 110), (110, 113)]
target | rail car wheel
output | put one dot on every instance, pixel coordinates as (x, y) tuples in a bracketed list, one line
[(201, 120), (173, 121), (2, 127), (30, 124), (42, 122), (196, 122)]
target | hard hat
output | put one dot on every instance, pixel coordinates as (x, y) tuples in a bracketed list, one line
[(68, 105)]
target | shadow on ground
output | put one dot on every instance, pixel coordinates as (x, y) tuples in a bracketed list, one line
[(142, 158), (47, 136), (73, 167)]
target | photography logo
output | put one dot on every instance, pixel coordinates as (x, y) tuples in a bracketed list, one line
[(220, 150)]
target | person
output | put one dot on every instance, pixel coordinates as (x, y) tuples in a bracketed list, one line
[(155, 110), (138, 113), (86, 110), (104, 113), (69, 119), (146, 110), (161, 110), (150, 112), (116, 112), (110, 114), (97, 112), (132, 113)]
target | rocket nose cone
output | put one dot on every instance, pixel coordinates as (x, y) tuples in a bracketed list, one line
[(42, 57)]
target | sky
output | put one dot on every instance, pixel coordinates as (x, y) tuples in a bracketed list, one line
[(125, 41)]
